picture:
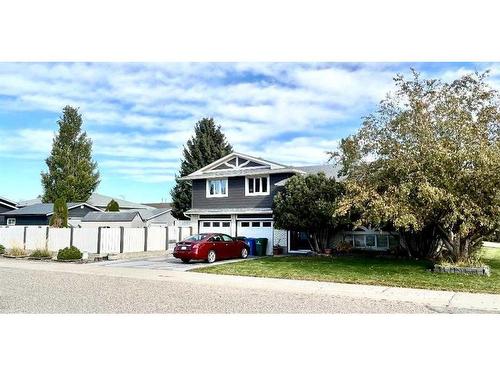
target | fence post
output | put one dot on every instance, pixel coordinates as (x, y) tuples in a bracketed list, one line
[(99, 240), (145, 238), (71, 237), (24, 238), (180, 233), (47, 238), (122, 233), (190, 230), (166, 238)]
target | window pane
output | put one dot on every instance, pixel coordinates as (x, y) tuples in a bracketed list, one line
[(223, 187), (226, 224), (245, 224), (370, 240), (206, 224), (227, 238), (250, 185), (212, 187), (255, 224), (382, 240), (216, 224), (266, 224), (264, 184), (257, 185), (359, 240)]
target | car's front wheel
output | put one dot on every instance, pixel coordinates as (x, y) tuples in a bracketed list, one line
[(211, 256), (244, 253)]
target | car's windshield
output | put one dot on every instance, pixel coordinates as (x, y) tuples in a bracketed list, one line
[(196, 237)]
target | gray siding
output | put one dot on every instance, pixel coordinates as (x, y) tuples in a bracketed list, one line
[(236, 194), (29, 219)]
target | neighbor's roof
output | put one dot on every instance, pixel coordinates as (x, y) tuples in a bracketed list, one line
[(110, 216), (100, 200), (44, 209), (97, 200), (151, 214), (8, 202), (216, 211), (159, 205)]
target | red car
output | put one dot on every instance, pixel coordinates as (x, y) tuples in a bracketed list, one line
[(210, 247)]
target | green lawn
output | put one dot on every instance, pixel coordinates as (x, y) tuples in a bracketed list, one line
[(365, 270)]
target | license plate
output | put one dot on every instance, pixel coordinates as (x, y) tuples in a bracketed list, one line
[(183, 247)]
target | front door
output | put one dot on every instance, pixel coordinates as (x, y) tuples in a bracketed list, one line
[(299, 242)]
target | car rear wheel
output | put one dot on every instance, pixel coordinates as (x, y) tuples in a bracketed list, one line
[(211, 256), (185, 260), (244, 253)]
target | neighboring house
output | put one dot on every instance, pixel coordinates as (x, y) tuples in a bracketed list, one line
[(129, 219), (159, 205), (40, 214), (97, 200), (234, 195), (5, 206)]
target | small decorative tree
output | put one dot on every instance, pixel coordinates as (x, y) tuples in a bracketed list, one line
[(59, 218), (113, 206), (310, 204)]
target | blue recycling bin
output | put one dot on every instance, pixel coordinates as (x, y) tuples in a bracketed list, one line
[(252, 245)]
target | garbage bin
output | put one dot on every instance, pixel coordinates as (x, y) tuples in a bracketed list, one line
[(251, 244), (261, 246)]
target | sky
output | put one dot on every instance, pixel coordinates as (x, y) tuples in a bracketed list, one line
[(139, 116)]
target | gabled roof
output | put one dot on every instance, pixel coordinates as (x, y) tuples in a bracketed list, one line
[(110, 216), (101, 200), (151, 214), (229, 166), (45, 209), (97, 200), (8, 202)]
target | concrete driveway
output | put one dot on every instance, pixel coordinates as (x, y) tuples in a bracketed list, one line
[(167, 263)]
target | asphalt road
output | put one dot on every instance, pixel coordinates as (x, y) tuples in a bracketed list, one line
[(36, 291)]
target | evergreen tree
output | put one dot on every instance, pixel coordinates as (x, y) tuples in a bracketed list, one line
[(72, 174), (206, 146), (113, 206), (59, 218)]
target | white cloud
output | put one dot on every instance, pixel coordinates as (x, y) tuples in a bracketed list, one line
[(140, 115)]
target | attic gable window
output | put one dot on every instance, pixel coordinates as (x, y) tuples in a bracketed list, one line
[(217, 188), (257, 185)]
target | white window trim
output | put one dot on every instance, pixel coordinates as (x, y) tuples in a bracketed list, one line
[(207, 192), (11, 221), (248, 194)]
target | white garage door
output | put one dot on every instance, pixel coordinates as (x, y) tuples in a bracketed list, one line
[(257, 229), (215, 226)]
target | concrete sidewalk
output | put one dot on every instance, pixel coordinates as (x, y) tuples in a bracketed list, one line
[(431, 298)]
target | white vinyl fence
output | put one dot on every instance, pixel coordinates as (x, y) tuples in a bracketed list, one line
[(94, 240)]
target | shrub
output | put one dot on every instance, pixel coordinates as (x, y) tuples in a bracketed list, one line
[(2, 249), (41, 253), (17, 251), (69, 253), (344, 247)]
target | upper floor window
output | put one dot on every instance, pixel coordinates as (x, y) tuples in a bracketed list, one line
[(257, 185), (217, 188)]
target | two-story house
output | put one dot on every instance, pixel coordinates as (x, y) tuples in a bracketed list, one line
[(234, 195)]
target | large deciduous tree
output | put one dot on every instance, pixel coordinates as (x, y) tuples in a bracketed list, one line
[(206, 146), (310, 204), (428, 163), (72, 174)]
